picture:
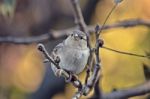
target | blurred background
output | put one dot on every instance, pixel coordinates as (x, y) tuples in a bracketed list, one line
[(23, 75)]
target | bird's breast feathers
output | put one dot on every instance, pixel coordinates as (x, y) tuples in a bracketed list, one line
[(74, 60)]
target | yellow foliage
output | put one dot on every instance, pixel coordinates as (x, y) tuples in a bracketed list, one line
[(122, 71)]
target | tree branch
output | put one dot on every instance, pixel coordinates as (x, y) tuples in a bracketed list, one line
[(79, 20), (57, 34), (23, 40), (124, 94)]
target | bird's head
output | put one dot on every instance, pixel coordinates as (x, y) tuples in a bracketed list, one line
[(77, 39)]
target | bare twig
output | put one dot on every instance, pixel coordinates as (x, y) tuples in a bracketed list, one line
[(97, 63), (79, 20), (126, 53), (41, 48), (21, 40), (122, 24), (96, 73), (125, 94), (107, 18), (89, 67), (34, 39)]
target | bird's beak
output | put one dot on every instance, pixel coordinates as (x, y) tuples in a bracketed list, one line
[(76, 37)]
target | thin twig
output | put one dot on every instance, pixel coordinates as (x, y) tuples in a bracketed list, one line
[(97, 63), (23, 40), (96, 73), (41, 48), (79, 20), (107, 18), (126, 53)]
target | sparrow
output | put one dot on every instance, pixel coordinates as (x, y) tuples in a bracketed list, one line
[(72, 54)]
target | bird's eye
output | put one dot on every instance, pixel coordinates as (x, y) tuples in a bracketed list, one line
[(71, 34), (81, 37)]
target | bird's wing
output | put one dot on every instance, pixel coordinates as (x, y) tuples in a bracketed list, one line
[(58, 48), (55, 52)]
